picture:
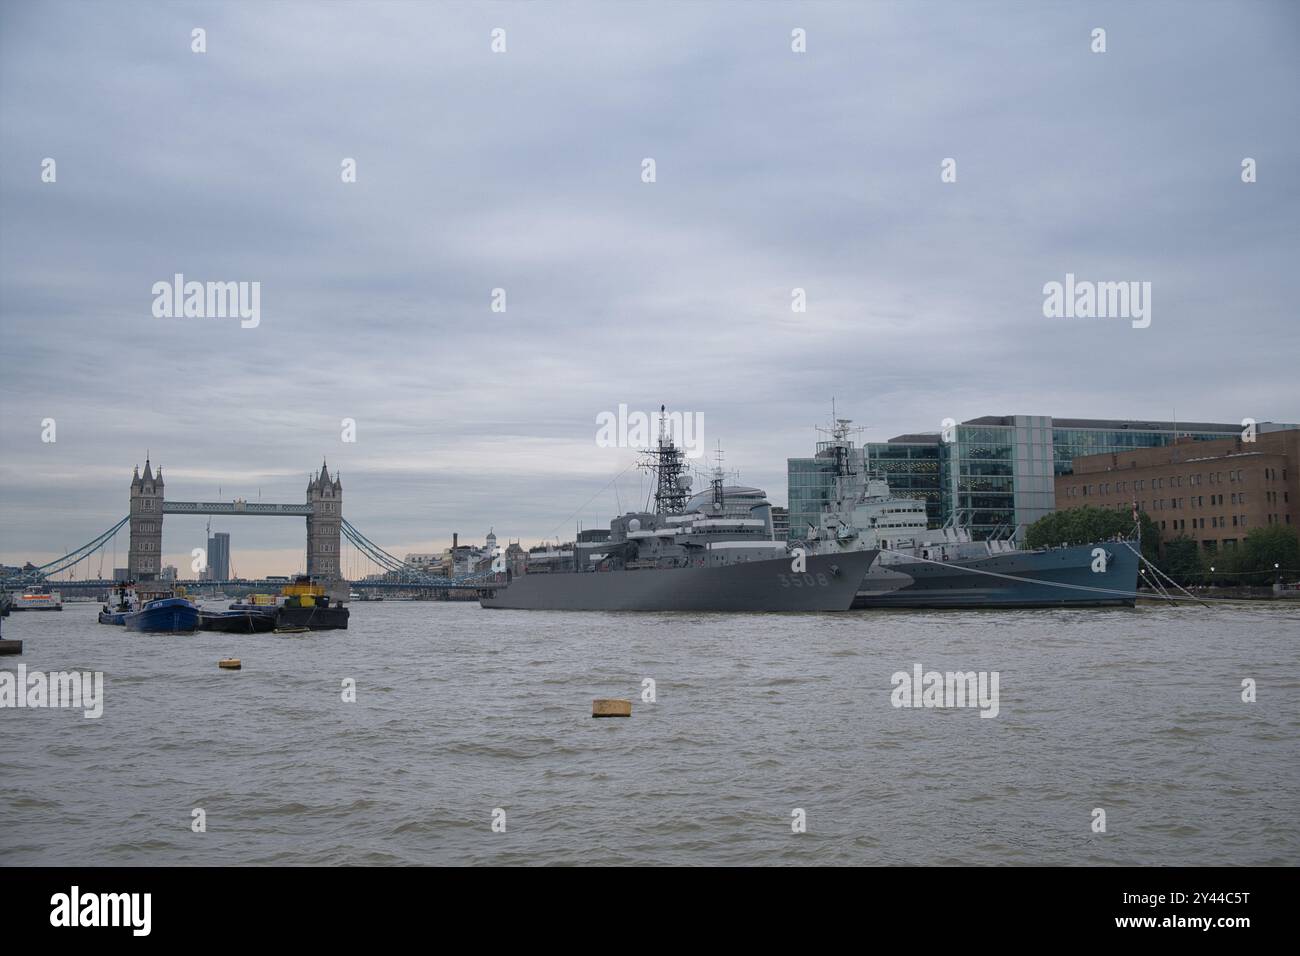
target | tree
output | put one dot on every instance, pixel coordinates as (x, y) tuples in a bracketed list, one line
[(1088, 524), (1263, 549), (1182, 560)]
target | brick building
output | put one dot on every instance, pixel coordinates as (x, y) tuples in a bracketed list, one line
[(1213, 492)]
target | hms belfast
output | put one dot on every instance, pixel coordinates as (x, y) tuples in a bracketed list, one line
[(711, 552), (945, 568)]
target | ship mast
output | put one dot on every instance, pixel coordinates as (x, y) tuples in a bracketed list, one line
[(668, 463), (840, 446), (719, 501)]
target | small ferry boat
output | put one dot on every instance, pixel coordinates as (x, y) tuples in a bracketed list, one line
[(163, 612), (37, 598), (125, 604)]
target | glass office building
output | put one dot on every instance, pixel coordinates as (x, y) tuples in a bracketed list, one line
[(911, 464), (809, 484), (997, 473)]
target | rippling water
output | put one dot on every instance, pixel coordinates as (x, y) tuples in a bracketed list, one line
[(460, 711)]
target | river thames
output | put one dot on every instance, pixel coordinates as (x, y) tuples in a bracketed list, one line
[(463, 717)]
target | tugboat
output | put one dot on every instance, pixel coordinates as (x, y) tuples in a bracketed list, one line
[(306, 604), (37, 598), (163, 612), (126, 604), (945, 568), (713, 552), (303, 603)]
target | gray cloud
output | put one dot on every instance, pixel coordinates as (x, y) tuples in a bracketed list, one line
[(522, 171)]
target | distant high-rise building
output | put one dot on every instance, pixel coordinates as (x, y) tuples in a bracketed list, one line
[(219, 557)]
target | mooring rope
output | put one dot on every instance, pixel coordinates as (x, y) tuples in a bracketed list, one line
[(1142, 558)]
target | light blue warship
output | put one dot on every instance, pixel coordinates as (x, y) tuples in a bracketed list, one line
[(943, 568)]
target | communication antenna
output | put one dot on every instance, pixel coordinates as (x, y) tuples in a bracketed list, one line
[(667, 461)]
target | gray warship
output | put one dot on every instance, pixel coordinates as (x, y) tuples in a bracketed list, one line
[(944, 568), (711, 552)]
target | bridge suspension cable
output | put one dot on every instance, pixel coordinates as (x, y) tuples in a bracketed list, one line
[(59, 565), (371, 550), (389, 563)]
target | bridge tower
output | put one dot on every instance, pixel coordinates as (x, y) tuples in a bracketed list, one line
[(325, 526), (144, 559)]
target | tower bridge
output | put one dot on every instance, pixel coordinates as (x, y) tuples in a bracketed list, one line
[(323, 510)]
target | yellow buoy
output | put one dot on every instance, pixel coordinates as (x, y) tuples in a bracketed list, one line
[(230, 663), (605, 707)]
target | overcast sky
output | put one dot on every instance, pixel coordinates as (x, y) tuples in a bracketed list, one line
[(523, 170)]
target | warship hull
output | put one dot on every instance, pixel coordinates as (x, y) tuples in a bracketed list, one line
[(829, 583), (1059, 577)]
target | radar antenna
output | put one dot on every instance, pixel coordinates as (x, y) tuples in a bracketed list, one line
[(668, 462)]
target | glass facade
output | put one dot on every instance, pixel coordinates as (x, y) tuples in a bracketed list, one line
[(913, 470), (979, 478), (998, 472), (1070, 443), (810, 483)]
